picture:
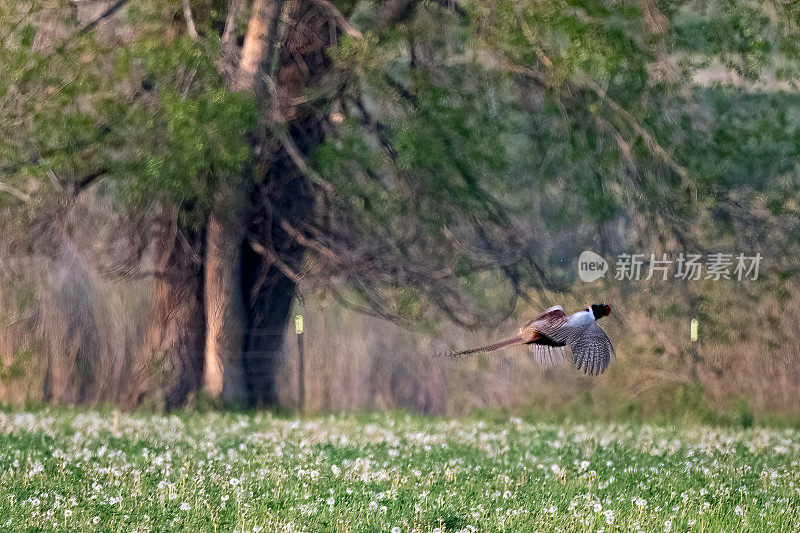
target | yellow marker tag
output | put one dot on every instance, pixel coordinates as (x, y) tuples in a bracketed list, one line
[(298, 324), (694, 330)]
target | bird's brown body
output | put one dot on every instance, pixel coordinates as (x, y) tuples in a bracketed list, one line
[(534, 331), (530, 333)]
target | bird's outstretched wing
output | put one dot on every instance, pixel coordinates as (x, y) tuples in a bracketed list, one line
[(547, 356), (545, 324), (539, 332), (591, 348)]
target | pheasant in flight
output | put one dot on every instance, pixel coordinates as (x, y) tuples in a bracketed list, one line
[(548, 334)]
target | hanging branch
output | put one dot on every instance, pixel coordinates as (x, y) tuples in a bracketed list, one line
[(273, 258), (13, 191), (299, 161), (234, 6), (187, 14), (341, 21), (113, 8), (652, 144)]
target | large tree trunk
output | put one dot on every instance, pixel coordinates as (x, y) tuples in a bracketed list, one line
[(270, 291), (300, 59), (225, 310), (270, 305), (285, 195), (172, 357), (259, 44), (247, 298)]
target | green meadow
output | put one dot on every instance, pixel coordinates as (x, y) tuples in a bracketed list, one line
[(69, 469)]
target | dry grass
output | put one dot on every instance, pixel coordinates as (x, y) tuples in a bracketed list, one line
[(71, 335), (358, 362)]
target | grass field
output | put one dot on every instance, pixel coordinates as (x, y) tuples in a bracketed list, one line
[(66, 469)]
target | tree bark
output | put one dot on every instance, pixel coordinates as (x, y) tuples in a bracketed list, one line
[(270, 306), (259, 44), (187, 14), (234, 6), (224, 306), (286, 191), (176, 329), (248, 299), (270, 291), (225, 310)]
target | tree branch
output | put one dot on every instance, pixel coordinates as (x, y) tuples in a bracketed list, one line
[(54, 180), (113, 8), (302, 240), (540, 80), (341, 21), (394, 11), (273, 258), (13, 191), (652, 144), (300, 162), (187, 14), (234, 6), (377, 127), (88, 180)]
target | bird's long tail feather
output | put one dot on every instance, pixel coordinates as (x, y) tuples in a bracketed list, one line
[(490, 348)]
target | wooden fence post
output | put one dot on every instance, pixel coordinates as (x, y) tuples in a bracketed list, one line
[(301, 365)]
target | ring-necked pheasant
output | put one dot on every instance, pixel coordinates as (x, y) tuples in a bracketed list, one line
[(548, 334)]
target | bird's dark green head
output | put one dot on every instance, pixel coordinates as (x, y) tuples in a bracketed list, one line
[(600, 310)]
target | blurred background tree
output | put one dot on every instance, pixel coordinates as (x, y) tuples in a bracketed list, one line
[(174, 174)]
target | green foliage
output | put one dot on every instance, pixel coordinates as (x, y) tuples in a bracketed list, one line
[(197, 132), (599, 39), (41, 128), (204, 126), (161, 122), (244, 471), (750, 140), (568, 115), (18, 366), (737, 33)]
